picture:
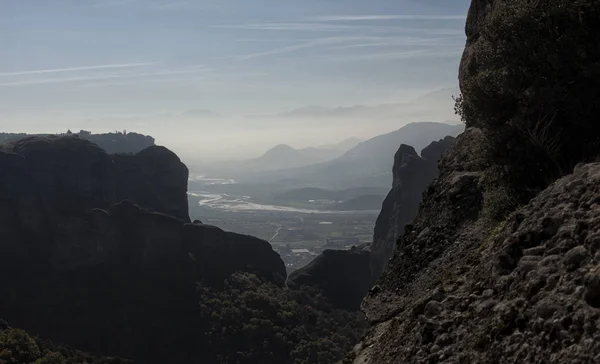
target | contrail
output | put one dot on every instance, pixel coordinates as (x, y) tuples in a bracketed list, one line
[(73, 69)]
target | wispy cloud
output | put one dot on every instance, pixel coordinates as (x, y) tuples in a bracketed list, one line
[(401, 55), (293, 26), (159, 73), (304, 45), (339, 27), (353, 42), (385, 17), (75, 69), (404, 41)]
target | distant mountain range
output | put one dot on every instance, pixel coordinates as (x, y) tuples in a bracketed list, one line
[(436, 105), (283, 156), (367, 164)]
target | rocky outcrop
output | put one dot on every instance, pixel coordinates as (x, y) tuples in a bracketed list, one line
[(49, 177), (525, 292), (114, 143), (153, 177), (111, 143), (450, 204), (343, 276), (109, 276), (465, 286), (412, 174)]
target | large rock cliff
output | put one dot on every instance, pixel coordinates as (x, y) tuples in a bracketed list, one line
[(68, 174), (114, 277), (469, 285), (526, 290)]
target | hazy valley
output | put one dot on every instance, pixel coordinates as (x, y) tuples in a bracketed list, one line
[(330, 212)]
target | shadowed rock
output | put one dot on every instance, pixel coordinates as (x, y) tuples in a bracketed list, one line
[(111, 276)]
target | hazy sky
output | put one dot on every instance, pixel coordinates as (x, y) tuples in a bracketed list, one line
[(223, 75)]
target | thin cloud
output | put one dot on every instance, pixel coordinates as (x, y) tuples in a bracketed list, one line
[(102, 77), (386, 17), (362, 45), (402, 41), (353, 27), (319, 27), (75, 69), (420, 53), (297, 47)]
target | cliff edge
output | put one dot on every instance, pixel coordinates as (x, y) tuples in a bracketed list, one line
[(501, 264)]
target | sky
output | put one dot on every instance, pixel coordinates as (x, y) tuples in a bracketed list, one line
[(218, 79)]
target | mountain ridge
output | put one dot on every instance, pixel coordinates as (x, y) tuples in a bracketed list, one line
[(367, 164)]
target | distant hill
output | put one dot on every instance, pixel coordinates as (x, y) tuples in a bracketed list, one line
[(283, 156), (112, 143), (367, 164)]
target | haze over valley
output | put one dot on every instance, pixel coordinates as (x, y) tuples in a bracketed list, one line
[(299, 181)]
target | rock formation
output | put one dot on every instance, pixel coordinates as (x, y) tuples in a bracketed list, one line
[(111, 143), (68, 174), (523, 291), (85, 265), (345, 277), (412, 175), (466, 285)]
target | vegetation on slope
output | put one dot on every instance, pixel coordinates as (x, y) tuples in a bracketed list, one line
[(254, 321), (18, 347)]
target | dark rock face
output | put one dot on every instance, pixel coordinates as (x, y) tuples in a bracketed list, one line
[(69, 174), (528, 292), (154, 177), (106, 276), (464, 288), (343, 276), (412, 175), (114, 143), (111, 143)]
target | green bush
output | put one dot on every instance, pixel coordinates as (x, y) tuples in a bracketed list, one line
[(17, 347), (532, 88)]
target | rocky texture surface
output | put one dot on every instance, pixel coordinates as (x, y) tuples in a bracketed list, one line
[(89, 270), (343, 276), (448, 212), (412, 174), (527, 293)]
